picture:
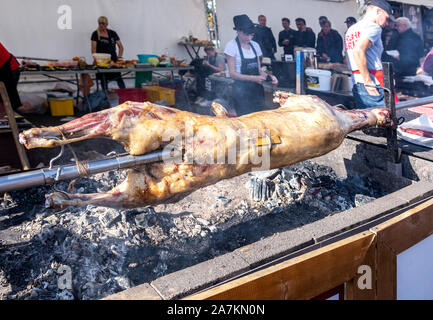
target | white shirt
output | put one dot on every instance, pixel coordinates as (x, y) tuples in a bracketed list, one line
[(233, 51), (373, 32)]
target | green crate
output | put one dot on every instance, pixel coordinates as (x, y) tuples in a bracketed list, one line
[(142, 77)]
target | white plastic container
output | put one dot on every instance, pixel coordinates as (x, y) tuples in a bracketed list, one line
[(102, 59), (318, 79)]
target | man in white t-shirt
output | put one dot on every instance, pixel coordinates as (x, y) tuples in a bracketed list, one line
[(364, 50), (243, 63)]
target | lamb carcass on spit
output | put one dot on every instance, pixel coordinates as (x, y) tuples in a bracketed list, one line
[(304, 127)]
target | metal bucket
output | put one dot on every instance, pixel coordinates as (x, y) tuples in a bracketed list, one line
[(310, 59)]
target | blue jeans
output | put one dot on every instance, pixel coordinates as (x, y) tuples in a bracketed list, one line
[(364, 100)]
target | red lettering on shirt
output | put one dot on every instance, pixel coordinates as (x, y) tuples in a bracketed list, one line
[(352, 39)]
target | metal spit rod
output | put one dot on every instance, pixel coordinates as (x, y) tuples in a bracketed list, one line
[(50, 176), (413, 103)]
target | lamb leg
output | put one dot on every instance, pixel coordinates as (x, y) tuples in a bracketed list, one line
[(92, 125), (100, 124), (149, 184)]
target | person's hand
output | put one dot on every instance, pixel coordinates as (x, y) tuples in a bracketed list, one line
[(325, 56), (259, 79), (286, 42), (371, 88), (119, 58), (420, 71), (206, 63), (274, 80)]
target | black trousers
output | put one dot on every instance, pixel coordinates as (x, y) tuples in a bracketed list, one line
[(201, 73), (10, 79), (107, 77)]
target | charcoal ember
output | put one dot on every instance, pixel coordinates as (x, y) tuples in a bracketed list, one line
[(109, 217), (260, 190), (280, 190), (46, 234), (324, 181), (149, 210), (277, 210), (295, 183), (224, 200), (361, 199), (160, 268), (60, 235), (123, 282), (146, 218), (4, 218), (65, 295), (7, 202), (110, 286), (270, 204), (128, 215), (34, 293), (213, 229), (90, 289), (287, 173), (268, 174), (203, 221)]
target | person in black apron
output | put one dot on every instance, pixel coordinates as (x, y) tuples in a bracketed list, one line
[(104, 40), (9, 75), (247, 90)]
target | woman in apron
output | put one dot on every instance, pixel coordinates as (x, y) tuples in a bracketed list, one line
[(105, 40), (243, 61)]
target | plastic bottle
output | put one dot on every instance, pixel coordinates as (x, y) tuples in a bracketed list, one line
[(167, 58)]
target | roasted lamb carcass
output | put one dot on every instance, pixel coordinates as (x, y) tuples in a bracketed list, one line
[(214, 148)]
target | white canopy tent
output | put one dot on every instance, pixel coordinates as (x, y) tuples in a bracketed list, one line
[(30, 28)]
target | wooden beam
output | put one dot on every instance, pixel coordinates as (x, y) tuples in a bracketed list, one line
[(393, 237), (13, 125), (408, 228), (356, 292), (386, 272), (302, 277)]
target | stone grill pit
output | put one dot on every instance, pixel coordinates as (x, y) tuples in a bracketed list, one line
[(109, 250)]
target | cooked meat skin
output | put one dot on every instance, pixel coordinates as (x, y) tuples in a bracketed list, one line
[(215, 148)]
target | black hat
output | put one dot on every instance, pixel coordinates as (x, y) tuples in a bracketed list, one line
[(350, 20), (244, 24), (384, 5)]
